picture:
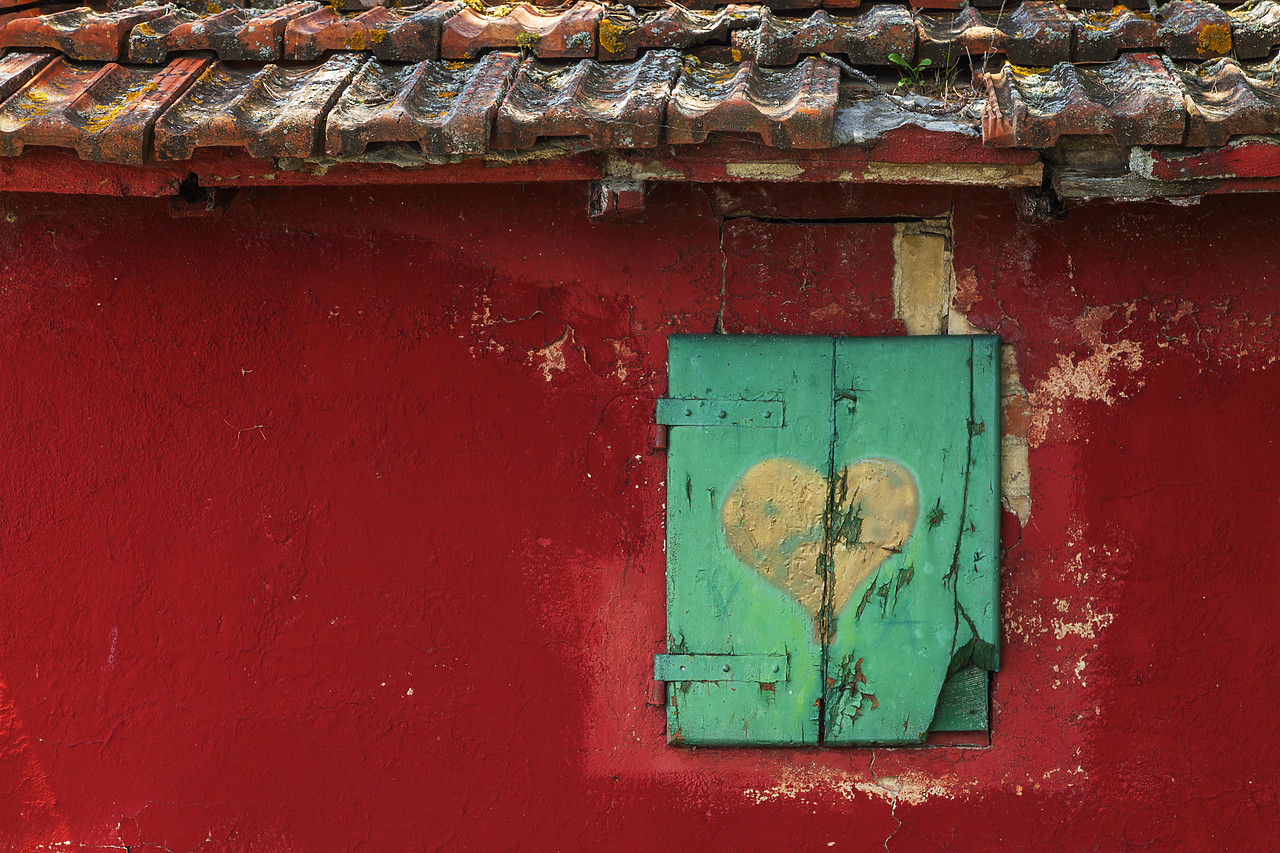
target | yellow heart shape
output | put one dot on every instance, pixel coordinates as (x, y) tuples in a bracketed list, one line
[(773, 522)]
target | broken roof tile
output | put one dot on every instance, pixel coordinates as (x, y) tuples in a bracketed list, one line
[(624, 32), (105, 112), (1194, 29), (868, 36), (273, 111), (1036, 32), (1225, 98), (1135, 100), (615, 105), (787, 107), (80, 33), (1102, 35), (566, 34), (238, 33), (446, 107), (405, 35), (1255, 29)]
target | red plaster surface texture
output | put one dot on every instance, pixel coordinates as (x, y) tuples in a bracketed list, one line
[(331, 524)]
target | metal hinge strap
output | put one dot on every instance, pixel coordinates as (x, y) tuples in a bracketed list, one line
[(761, 668), (674, 411)]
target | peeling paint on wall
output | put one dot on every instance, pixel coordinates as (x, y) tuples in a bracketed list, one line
[(1093, 377)]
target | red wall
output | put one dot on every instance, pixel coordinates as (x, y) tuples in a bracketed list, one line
[(331, 524)]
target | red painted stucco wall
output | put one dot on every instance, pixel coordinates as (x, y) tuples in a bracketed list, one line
[(331, 523)]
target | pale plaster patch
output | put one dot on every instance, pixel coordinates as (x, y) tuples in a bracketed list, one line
[(1088, 625), (1015, 463), (1092, 378), (923, 280), (910, 787), (482, 319), (552, 355), (764, 171), (972, 174)]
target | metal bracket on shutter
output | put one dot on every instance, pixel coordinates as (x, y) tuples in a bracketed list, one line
[(673, 411), (765, 669)]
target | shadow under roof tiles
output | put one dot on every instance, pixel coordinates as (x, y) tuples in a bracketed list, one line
[(446, 107), (786, 107), (615, 105), (272, 111), (104, 111)]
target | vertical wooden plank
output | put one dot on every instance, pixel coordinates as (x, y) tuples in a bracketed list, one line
[(904, 460), (743, 535), (978, 559)]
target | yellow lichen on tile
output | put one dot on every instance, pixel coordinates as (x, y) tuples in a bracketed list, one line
[(1215, 40)]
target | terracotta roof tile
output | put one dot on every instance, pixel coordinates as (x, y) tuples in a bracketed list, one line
[(272, 111), (405, 35), (614, 105), (1135, 100), (1255, 29), (445, 107), (613, 76), (866, 37), (624, 32), (1101, 36), (1036, 32), (777, 5), (547, 34), (787, 108), (17, 68), (1225, 99), (1193, 29), (104, 112), (235, 34), (79, 33)]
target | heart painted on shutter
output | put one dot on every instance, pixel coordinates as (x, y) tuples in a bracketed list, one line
[(773, 522)]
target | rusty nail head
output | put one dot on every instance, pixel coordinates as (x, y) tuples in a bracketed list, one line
[(722, 414), (724, 668)]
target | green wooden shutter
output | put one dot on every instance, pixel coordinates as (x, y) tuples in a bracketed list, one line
[(832, 554)]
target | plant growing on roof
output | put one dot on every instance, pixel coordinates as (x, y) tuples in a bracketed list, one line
[(911, 74)]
